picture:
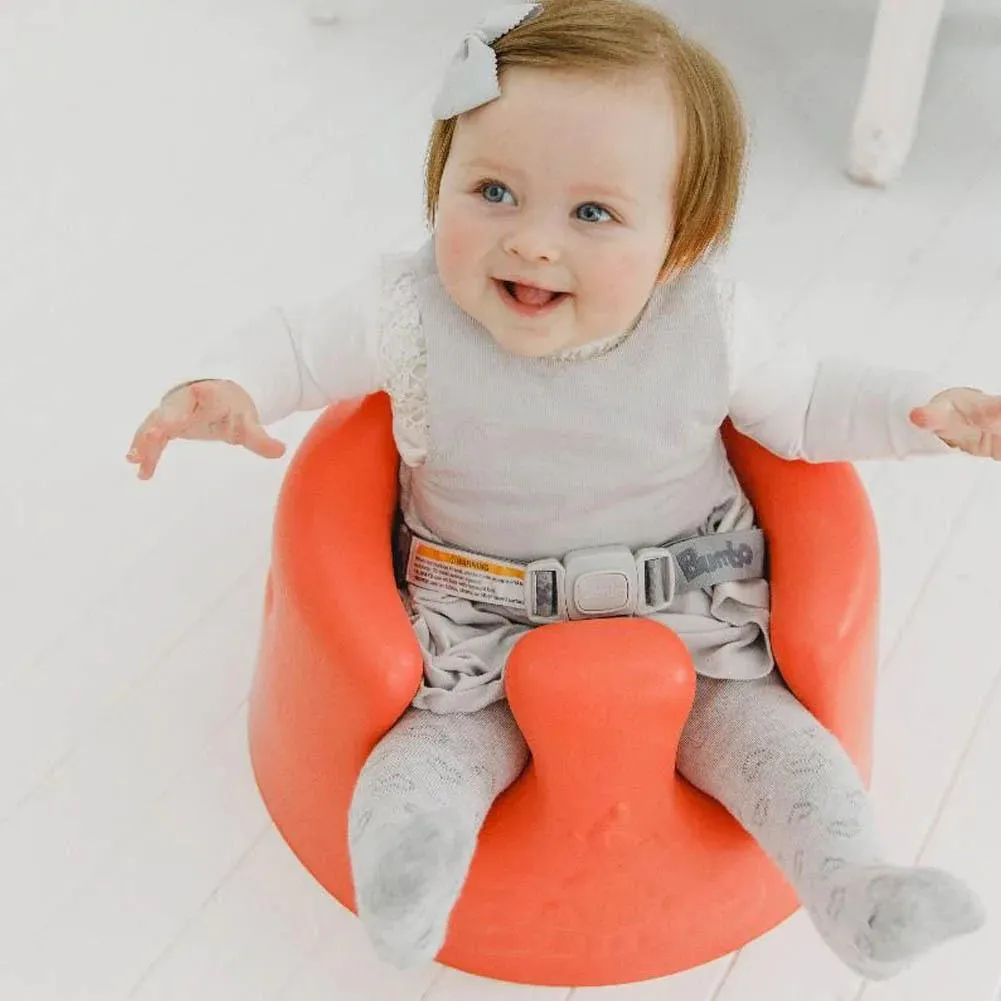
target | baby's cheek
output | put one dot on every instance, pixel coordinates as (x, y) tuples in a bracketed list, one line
[(456, 240), (628, 279)]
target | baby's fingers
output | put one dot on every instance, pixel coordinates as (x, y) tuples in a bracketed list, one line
[(147, 447), (164, 423), (934, 416), (245, 431), (261, 443)]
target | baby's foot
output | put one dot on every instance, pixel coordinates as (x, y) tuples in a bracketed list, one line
[(880, 918), (407, 894)]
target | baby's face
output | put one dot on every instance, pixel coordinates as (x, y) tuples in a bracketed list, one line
[(556, 207)]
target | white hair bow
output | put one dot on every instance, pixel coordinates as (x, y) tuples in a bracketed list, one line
[(471, 78)]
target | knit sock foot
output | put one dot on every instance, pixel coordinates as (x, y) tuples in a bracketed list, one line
[(406, 894), (880, 918)]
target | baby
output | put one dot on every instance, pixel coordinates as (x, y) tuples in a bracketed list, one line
[(560, 358)]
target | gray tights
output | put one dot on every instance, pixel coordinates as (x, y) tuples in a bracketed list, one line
[(423, 795)]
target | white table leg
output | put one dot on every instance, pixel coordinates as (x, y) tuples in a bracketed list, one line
[(887, 115)]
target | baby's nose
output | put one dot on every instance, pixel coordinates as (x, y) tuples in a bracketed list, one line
[(538, 244)]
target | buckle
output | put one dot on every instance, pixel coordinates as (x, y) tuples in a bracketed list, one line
[(658, 577), (545, 591), (601, 582)]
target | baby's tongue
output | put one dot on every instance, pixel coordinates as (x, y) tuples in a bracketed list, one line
[(528, 295)]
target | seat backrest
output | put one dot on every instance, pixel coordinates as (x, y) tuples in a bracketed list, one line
[(823, 552)]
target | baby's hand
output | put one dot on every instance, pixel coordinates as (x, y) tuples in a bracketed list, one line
[(201, 411), (966, 419)]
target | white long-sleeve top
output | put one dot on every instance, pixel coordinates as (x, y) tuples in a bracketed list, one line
[(797, 406)]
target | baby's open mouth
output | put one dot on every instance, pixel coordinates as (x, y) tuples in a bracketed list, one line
[(530, 298)]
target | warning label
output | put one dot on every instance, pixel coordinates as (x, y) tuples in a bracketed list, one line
[(464, 576)]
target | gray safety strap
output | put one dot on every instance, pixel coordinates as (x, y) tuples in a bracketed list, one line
[(708, 560), (700, 563), (693, 564)]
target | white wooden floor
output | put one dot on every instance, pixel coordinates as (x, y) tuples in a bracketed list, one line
[(171, 167)]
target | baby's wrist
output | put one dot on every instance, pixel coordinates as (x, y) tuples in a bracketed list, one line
[(195, 382), (181, 385)]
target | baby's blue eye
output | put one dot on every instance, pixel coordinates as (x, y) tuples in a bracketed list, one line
[(592, 212), (497, 194)]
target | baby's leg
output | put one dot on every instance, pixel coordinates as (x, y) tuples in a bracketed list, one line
[(753, 747), (416, 813)]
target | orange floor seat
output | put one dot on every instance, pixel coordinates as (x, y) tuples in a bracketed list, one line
[(600, 865)]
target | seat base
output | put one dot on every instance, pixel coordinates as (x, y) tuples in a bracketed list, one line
[(600, 865), (569, 932), (725, 895)]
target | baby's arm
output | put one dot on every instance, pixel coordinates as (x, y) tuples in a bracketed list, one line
[(306, 358), (820, 410), (281, 363)]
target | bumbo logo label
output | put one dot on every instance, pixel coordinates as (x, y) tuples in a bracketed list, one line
[(694, 566)]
